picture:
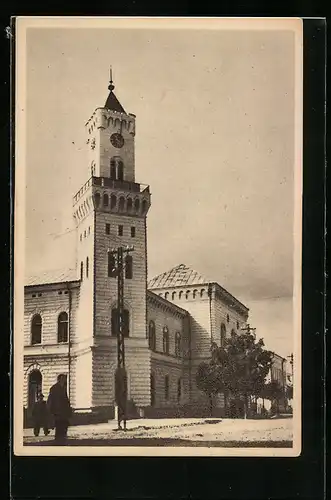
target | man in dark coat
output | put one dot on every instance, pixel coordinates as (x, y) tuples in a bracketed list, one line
[(59, 406), (40, 416)]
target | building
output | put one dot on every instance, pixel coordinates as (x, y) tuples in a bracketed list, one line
[(70, 316)]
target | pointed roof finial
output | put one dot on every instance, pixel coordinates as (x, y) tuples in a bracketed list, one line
[(111, 86)]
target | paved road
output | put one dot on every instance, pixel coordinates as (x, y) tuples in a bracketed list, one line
[(178, 432)]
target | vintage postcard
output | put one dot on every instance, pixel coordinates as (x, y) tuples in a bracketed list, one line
[(157, 258)]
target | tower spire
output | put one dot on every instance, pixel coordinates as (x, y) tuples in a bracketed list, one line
[(112, 102), (111, 86)]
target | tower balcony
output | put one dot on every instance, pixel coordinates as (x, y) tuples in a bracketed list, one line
[(126, 186)]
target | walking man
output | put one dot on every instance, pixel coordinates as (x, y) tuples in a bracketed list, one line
[(59, 406), (40, 416)]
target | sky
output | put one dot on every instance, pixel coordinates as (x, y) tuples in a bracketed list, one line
[(214, 140)]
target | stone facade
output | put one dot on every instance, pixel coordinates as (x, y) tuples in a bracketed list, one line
[(172, 320)]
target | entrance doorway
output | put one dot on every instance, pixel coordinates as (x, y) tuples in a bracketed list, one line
[(152, 390), (35, 387)]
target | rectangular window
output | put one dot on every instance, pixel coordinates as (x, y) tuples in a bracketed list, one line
[(166, 387), (111, 265), (120, 230), (128, 267), (133, 232), (107, 228)]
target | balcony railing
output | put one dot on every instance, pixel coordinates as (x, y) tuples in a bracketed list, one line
[(115, 184)]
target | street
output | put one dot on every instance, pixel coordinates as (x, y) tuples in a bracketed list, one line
[(211, 432)]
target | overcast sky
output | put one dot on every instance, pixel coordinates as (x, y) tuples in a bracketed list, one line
[(214, 140)]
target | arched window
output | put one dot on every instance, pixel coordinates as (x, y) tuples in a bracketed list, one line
[(202, 292), (136, 204), (62, 327), (128, 267), (87, 267), (120, 170), (36, 327), (195, 293), (144, 206), (165, 340), (121, 204), (114, 322), (187, 295), (173, 296), (178, 347), (81, 271), (179, 389), (111, 265), (223, 334), (166, 295), (166, 387), (151, 336), (105, 200), (129, 205), (113, 201), (180, 294), (113, 169), (97, 199)]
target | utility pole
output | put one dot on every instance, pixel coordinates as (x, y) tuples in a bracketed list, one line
[(248, 329), (120, 374)]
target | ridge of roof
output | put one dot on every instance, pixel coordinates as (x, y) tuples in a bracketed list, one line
[(51, 276)]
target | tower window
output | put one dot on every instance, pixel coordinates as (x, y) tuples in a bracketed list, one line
[(166, 387), (81, 271), (133, 232), (151, 336), (97, 199), (107, 228), (120, 230), (136, 204), (121, 204), (36, 327), (113, 201), (112, 169), (111, 265), (87, 267), (129, 205), (144, 206), (165, 340), (120, 170), (105, 200), (114, 322), (223, 334), (62, 327), (128, 267)]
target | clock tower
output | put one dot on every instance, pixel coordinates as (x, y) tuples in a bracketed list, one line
[(110, 210)]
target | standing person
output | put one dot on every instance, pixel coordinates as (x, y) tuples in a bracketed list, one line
[(59, 406), (40, 416)]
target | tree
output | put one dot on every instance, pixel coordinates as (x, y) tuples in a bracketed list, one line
[(274, 392), (239, 368)]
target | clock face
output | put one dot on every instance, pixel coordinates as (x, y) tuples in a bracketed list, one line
[(117, 140)]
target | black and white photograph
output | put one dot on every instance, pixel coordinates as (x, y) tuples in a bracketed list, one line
[(158, 227)]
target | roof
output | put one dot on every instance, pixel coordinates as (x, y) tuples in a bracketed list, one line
[(50, 277), (113, 103), (177, 276)]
